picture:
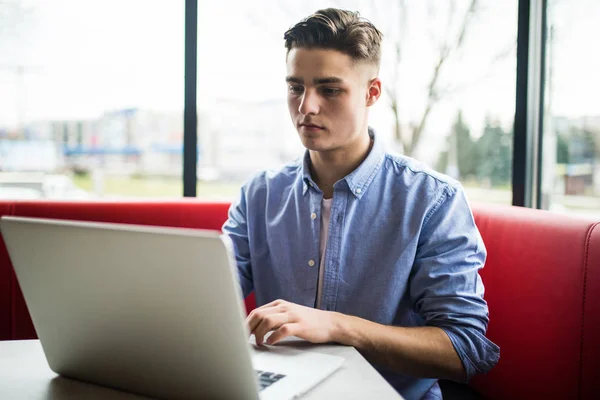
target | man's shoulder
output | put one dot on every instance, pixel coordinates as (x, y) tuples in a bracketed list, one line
[(414, 174)]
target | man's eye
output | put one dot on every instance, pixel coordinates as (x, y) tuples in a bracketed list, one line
[(295, 89), (331, 91)]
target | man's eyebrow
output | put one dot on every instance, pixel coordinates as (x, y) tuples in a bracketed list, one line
[(329, 79), (293, 79), (317, 81)]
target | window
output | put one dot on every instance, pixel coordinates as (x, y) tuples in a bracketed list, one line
[(571, 137), (448, 72), (92, 96)]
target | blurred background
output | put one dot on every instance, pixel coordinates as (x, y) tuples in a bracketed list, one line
[(92, 95)]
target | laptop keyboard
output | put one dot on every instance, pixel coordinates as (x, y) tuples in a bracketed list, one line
[(266, 379)]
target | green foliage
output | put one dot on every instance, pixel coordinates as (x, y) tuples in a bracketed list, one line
[(487, 159), (494, 150), (562, 149), (442, 162), (577, 145), (465, 147)]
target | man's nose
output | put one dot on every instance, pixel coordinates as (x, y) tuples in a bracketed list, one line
[(309, 103)]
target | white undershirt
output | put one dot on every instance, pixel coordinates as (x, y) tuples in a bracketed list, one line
[(325, 216)]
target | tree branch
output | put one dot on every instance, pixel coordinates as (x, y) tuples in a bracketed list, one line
[(433, 95), (451, 89)]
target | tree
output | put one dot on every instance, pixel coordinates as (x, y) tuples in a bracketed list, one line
[(465, 147), (562, 149), (460, 159), (448, 46), (494, 153)]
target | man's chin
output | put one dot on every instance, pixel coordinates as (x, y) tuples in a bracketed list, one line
[(314, 144)]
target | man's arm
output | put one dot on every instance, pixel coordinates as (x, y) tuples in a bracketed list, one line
[(446, 291), (236, 228), (422, 352)]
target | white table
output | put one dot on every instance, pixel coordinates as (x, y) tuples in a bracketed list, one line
[(24, 374)]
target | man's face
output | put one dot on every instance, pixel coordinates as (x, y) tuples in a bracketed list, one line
[(328, 96)]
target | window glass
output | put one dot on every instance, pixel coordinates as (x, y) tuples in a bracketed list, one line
[(448, 72), (571, 141), (91, 98)]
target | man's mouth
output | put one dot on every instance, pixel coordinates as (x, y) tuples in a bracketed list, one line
[(311, 126)]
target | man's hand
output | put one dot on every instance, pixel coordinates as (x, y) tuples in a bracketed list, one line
[(420, 351), (288, 319)]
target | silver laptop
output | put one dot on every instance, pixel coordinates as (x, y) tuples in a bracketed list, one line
[(149, 310)]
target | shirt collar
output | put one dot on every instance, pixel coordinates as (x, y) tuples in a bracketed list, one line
[(358, 180)]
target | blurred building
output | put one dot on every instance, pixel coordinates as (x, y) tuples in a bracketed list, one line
[(245, 137), (234, 139), (578, 155)]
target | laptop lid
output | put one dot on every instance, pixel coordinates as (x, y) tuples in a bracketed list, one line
[(138, 308)]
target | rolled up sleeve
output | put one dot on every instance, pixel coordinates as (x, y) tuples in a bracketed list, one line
[(236, 228), (446, 288)]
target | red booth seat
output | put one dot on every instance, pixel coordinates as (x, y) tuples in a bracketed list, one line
[(542, 280)]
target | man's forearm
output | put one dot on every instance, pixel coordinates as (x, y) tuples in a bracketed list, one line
[(425, 352)]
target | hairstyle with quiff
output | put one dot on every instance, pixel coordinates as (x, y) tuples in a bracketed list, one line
[(341, 30)]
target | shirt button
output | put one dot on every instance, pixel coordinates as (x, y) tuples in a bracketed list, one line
[(358, 191), (311, 263), (313, 216)]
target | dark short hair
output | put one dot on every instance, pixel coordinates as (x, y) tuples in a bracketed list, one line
[(335, 29)]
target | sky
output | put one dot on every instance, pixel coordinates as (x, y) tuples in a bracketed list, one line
[(84, 57)]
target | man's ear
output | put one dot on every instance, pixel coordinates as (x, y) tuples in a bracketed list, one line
[(374, 91)]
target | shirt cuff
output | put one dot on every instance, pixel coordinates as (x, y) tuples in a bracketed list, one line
[(477, 353)]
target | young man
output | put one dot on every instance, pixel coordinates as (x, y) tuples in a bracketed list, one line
[(354, 245)]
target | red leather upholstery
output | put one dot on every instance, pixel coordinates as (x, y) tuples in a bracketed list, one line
[(181, 213), (5, 282), (590, 347), (534, 278), (542, 279)]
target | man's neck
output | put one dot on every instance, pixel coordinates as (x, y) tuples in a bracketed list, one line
[(329, 167)]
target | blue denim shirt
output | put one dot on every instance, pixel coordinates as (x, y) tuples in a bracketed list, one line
[(402, 250)]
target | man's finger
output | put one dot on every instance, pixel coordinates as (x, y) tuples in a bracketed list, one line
[(268, 324), (284, 331), (274, 303), (257, 315)]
